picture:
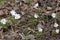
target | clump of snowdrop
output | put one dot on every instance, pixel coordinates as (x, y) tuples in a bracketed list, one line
[(40, 29), (15, 15), (53, 15), (56, 24), (36, 5), (36, 15), (3, 21), (57, 30)]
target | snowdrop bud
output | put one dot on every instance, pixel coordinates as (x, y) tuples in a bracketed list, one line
[(57, 30), (36, 15), (3, 21), (56, 25), (36, 5), (17, 16), (13, 12), (40, 29), (53, 15)]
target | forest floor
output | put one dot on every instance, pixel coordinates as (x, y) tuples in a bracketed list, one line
[(27, 27)]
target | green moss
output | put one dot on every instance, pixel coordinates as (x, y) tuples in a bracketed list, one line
[(25, 31), (29, 1), (53, 33), (41, 17), (39, 34), (37, 11), (1, 1), (32, 21), (13, 20), (4, 25)]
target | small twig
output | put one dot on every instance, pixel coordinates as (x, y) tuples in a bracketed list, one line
[(22, 35), (1, 32), (12, 29)]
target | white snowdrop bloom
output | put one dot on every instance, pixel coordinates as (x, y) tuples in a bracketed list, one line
[(17, 16), (3, 21), (57, 30), (36, 15), (53, 15), (40, 29), (13, 12), (36, 5), (55, 24)]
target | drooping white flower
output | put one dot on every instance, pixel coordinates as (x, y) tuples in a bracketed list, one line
[(36, 5), (57, 30), (56, 24), (40, 29), (13, 12), (17, 16), (53, 15), (3, 21), (36, 15)]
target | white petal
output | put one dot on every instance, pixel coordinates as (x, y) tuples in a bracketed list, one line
[(36, 5), (17, 16), (40, 29), (13, 12), (36, 16), (3, 21), (53, 15), (56, 25), (57, 30)]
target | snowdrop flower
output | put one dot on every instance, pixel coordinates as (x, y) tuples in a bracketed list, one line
[(3, 21), (40, 29), (36, 16), (57, 30), (17, 16), (36, 5), (56, 25), (13, 12), (53, 15)]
